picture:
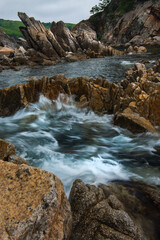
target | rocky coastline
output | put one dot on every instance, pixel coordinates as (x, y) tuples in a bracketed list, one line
[(133, 102), (34, 205), (49, 47)]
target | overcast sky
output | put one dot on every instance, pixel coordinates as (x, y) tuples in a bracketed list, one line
[(48, 10)]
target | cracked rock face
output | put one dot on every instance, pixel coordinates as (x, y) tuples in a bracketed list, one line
[(33, 204), (139, 24), (114, 212), (55, 43)]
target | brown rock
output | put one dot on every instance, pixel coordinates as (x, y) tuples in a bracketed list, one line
[(73, 57), (6, 149), (133, 122), (100, 216), (5, 40), (39, 38), (64, 37), (6, 51), (7, 153), (119, 24), (87, 39), (142, 49), (33, 204)]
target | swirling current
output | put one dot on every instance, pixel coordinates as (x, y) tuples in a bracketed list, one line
[(74, 143)]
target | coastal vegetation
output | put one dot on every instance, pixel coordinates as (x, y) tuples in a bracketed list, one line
[(11, 27)]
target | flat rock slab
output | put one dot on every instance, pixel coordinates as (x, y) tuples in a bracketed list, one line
[(33, 204)]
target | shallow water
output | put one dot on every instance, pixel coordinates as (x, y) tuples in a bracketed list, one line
[(112, 68), (73, 143)]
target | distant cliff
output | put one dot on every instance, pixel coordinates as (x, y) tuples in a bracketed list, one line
[(123, 21)]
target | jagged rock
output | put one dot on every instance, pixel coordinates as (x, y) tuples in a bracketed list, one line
[(100, 98), (121, 22), (33, 204), (133, 122), (22, 42), (5, 40), (60, 40), (85, 35), (114, 212), (7, 153), (39, 38), (135, 102), (87, 39), (64, 37)]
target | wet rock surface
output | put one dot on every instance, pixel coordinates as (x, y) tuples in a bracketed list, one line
[(34, 205), (33, 202), (134, 102), (8, 153), (122, 210)]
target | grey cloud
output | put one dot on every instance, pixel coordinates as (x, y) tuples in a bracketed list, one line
[(48, 10)]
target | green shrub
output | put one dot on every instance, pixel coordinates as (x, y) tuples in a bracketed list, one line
[(11, 28)]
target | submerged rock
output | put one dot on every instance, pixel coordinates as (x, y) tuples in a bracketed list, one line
[(33, 204), (124, 210)]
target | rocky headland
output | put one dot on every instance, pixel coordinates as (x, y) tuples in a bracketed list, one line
[(43, 46), (134, 22)]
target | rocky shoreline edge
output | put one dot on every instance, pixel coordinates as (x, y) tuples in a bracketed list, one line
[(134, 101), (34, 205)]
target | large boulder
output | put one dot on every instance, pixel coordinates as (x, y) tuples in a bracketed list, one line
[(115, 212), (33, 204), (133, 122)]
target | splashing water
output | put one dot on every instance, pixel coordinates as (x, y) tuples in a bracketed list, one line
[(73, 143)]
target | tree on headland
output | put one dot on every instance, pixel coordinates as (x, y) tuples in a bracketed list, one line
[(100, 7)]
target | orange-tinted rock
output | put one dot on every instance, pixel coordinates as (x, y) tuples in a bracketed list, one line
[(7, 153), (33, 204), (133, 122), (6, 149), (6, 51)]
